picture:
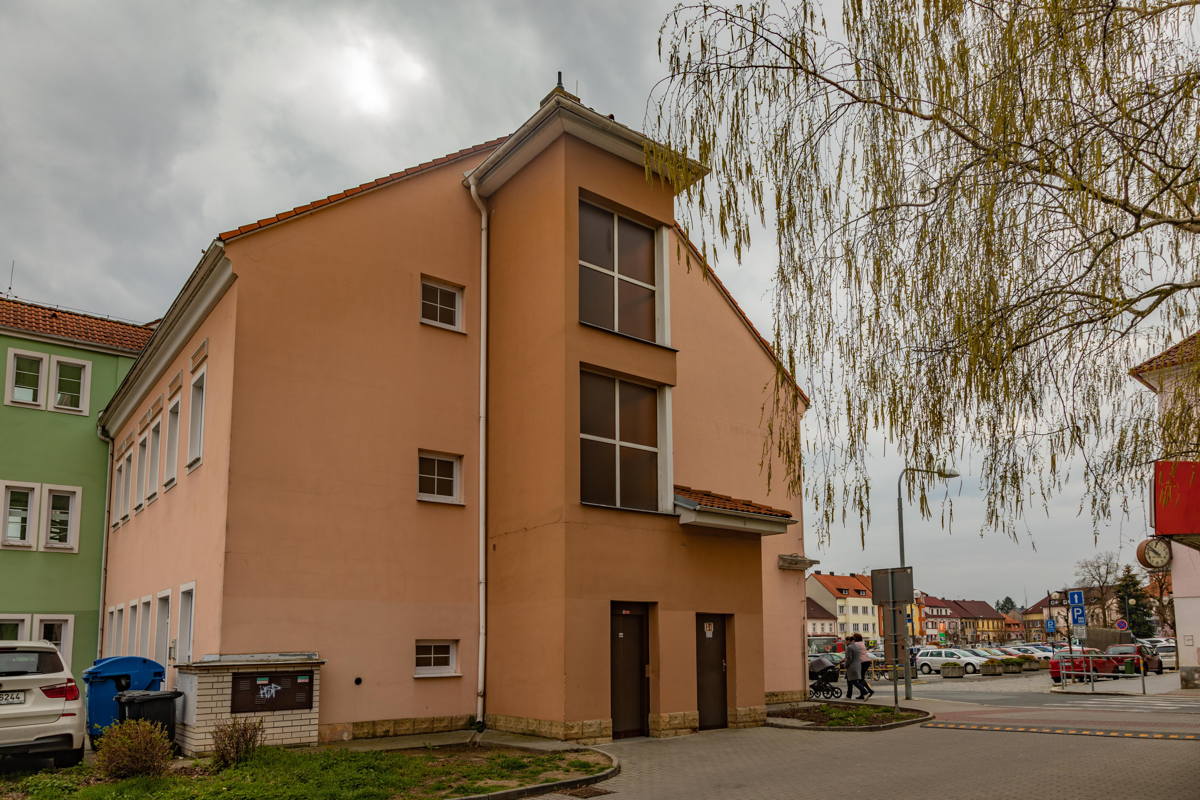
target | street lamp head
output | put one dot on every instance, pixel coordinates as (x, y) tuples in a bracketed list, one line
[(947, 473)]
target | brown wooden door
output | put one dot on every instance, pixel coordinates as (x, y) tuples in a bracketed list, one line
[(711, 694), (630, 670)]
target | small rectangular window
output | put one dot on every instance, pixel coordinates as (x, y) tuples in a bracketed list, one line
[(618, 447), (119, 633), (162, 628), (196, 422), (19, 515), (62, 517), (172, 458), (26, 381), (441, 304), (187, 601), (152, 465), (139, 490), (71, 384), (127, 486), (436, 657), (58, 631), (438, 477), (131, 644), (14, 627), (144, 629)]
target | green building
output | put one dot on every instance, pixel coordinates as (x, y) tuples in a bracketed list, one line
[(58, 369)]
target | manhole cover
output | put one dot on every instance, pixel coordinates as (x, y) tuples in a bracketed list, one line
[(586, 791)]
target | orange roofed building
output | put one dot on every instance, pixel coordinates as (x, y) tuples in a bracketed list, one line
[(501, 381)]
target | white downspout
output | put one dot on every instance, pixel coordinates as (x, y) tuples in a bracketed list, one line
[(483, 398), (102, 628)]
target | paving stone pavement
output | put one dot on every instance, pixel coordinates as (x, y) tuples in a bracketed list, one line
[(767, 763)]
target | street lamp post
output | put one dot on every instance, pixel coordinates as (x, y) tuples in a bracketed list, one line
[(941, 473)]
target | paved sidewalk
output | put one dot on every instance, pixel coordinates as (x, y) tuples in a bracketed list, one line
[(769, 763)]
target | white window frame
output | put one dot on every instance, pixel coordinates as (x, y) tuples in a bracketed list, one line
[(144, 627), (127, 486), (114, 507), (162, 626), (185, 636), (23, 622), (119, 632), (662, 326), (10, 377), (32, 524), (72, 545), (68, 623), (457, 499), (131, 642), (450, 671), (664, 452), (154, 452), (85, 386), (139, 486), (171, 457), (195, 449), (459, 305), (110, 632)]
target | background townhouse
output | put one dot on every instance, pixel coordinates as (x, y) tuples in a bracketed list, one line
[(980, 623), (940, 621), (59, 369), (324, 499), (848, 597), (1177, 501)]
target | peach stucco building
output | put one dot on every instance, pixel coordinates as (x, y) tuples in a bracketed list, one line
[(299, 453)]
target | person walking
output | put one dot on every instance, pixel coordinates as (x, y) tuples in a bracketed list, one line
[(853, 663), (862, 661)]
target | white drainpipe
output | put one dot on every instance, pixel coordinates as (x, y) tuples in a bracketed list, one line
[(483, 395)]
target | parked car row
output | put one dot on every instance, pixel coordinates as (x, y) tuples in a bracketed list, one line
[(1088, 662), (972, 658)]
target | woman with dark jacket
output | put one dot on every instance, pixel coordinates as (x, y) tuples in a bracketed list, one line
[(857, 660)]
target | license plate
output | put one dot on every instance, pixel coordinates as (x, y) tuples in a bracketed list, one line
[(11, 698)]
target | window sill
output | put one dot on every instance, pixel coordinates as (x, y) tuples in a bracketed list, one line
[(79, 412), (439, 675), (60, 548), (168, 485), (17, 545), (602, 329), (443, 326), (138, 507), (446, 501), (195, 463), (8, 401), (150, 498), (631, 510)]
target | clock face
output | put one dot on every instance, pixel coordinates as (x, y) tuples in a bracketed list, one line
[(1154, 553)]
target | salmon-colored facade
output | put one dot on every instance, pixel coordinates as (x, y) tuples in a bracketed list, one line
[(328, 390)]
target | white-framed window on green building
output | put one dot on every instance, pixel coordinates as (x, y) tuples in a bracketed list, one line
[(25, 378), (20, 514), (58, 630), (13, 626), (61, 508), (71, 385)]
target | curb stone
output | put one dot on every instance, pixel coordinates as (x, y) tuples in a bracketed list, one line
[(782, 722), (556, 786)]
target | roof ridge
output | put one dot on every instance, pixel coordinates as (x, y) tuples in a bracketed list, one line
[(353, 191), (76, 312), (78, 327), (1170, 357)]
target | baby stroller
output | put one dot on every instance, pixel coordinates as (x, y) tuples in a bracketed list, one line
[(822, 683)]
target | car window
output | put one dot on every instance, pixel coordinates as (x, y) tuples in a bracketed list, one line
[(28, 662)]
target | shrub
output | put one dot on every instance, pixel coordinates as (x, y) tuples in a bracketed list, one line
[(1016, 661), (991, 662), (235, 740), (1026, 658), (133, 747)]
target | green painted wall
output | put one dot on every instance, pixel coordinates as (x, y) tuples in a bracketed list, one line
[(55, 448)]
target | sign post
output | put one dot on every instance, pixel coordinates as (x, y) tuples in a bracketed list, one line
[(893, 589)]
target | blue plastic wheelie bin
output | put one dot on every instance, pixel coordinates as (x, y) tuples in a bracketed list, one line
[(106, 678)]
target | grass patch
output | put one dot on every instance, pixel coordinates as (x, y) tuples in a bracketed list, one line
[(848, 716), (333, 774)]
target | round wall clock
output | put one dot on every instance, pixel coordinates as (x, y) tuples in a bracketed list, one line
[(1154, 553)]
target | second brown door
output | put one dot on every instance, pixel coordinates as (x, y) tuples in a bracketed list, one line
[(711, 669)]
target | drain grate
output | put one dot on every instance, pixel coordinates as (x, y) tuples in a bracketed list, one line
[(585, 791)]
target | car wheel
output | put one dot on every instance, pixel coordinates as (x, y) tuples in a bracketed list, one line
[(971, 669), (1159, 671), (68, 758), (1054, 679), (926, 669)]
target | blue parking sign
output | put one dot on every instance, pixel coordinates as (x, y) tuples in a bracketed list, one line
[(1078, 615), (1050, 626), (1075, 597)]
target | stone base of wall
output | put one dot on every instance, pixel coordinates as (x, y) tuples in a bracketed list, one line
[(373, 729), (1189, 677), (207, 695), (787, 696), (748, 717), (675, 723), (588, 731)]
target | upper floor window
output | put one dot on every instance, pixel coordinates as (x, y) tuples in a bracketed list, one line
[(441, 304), (618, 447), (61, 511), (617, 274), (20, 514), (26, 381), (152, 465), (196, 421), (438, 477), (172, 457), (72, 381), (844, 591)]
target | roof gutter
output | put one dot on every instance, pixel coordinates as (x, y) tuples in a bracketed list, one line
[(481, 671)]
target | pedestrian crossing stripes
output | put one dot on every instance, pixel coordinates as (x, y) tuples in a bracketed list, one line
[(1149, 705), (1066, 731)]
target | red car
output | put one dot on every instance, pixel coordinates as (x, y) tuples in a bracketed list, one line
[(1080, 661), (1135, 657)]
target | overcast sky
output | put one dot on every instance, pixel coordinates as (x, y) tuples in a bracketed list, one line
[(134, 132)]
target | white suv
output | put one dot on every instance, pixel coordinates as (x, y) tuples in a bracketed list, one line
[(41, 712), (931, 660)]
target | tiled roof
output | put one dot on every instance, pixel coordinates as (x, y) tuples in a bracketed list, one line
[(852, 583), (363, 187), (72, 325), (723, 502), (817, 611), (1039, 606), (978, 609), (1184, 352)]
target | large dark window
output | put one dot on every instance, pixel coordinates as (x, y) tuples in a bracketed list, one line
[(618, 442), (616, 273)]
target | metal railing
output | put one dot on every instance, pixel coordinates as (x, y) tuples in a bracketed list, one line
[(1117, 668)]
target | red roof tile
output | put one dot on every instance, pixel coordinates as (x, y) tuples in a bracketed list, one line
[(72, 325), (851, 583), (1183, 352), (373, 184), (977, 609), (723, 502), (815, 610)]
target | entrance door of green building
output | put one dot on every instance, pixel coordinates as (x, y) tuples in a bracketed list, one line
[(711, 671)]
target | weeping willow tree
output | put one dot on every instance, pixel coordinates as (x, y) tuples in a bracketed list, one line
[(986, 213)]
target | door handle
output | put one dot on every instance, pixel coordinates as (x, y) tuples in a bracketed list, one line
[(723, 665), (645, 670)]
